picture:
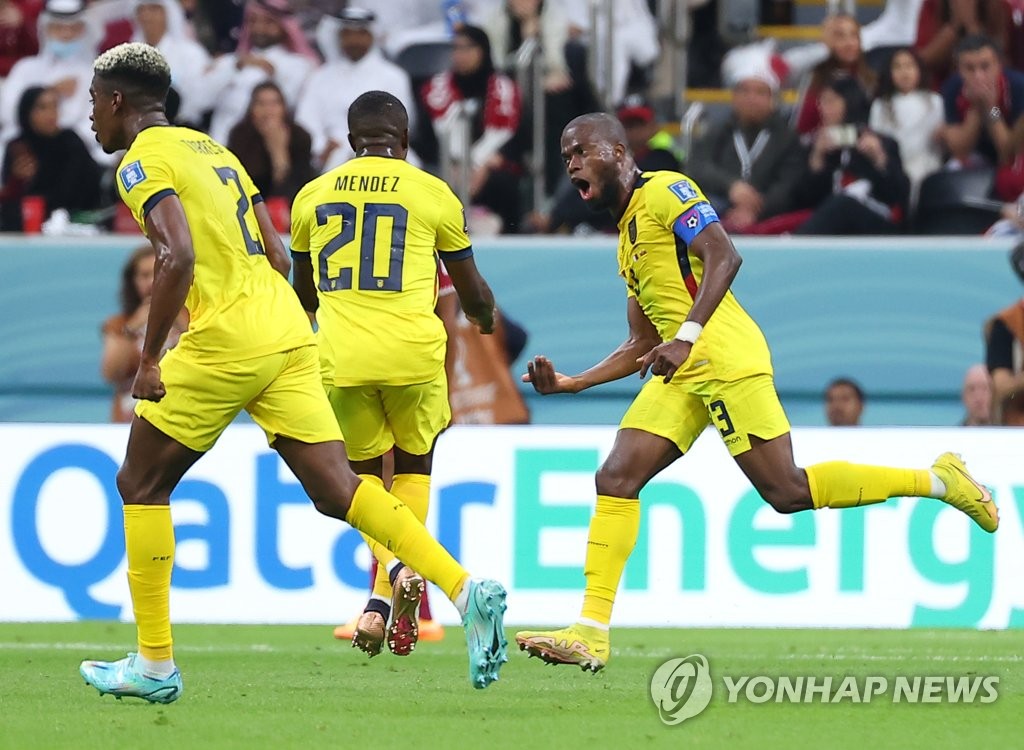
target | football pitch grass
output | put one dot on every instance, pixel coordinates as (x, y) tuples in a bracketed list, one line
[(281, 686)]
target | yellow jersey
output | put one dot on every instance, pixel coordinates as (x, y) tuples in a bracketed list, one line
[(374, 227), (239, 306), (665, 213)]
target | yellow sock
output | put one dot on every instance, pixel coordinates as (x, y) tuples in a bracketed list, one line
[(385, 518), (414, 491), (613, 531), (839, 484), (149, 542), (381, 583)]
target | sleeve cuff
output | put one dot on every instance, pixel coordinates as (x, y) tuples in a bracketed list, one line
[(152, 200), (466, 252), (256, 198)]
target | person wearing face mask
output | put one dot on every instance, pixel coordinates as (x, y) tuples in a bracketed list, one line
[(68, 42), (354, 66)]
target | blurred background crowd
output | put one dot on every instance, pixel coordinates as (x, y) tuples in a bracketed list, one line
[(805, 117)]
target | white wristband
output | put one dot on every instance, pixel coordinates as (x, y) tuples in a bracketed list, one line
[(689, 331)]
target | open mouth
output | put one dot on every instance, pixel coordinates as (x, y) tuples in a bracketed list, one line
[(584, 188)]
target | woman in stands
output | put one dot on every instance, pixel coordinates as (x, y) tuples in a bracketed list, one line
[(841, 34), (855, 181), (123, 334), (47, 161), (275, 151), (908, 111), (475, 93)]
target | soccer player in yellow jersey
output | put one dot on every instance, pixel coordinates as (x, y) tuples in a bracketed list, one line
[(686, 326), (365, 239), (249, 346)]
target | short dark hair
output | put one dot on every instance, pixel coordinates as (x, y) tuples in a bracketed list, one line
[(374, 109), (858, 105), (850, 383), (974, 43), (139, 70)]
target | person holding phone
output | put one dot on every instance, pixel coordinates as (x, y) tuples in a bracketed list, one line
[(855, 180)]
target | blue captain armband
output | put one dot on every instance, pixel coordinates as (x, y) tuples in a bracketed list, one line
[(693, 220)]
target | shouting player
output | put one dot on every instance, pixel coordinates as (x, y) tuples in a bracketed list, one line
[(686, 325), (248, 346), (365, 239)]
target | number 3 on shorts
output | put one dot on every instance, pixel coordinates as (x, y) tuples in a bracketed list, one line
[(721, 415)]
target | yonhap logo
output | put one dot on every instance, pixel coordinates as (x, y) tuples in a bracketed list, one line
[(681, 688)]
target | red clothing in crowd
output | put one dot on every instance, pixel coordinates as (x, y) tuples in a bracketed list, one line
[(18, 36)]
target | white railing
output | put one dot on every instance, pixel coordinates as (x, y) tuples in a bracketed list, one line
[(529, 66), (674, 25), (599, 53), (455, 143)]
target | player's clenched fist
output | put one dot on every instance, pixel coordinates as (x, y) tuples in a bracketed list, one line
[(541, 373), (147, 385)]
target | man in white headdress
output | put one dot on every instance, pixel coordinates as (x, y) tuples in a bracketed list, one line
[(749, 164), (67, 46), (162, 24), (272, 47), (354, 66)]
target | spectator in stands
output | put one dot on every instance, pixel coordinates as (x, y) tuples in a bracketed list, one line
[(983, 101), (943, 24), (68, 46), (750, 164), (653, 151), (567, 88), (976, 396), (844, 403), (634, 43), (841, 34), (474, 97), (18, 34), (1011, 409), (910, 113), (273, 149), (272, 47), (354, 66), (124, 333), (855, 180), (46, 160), (1004, 342), (401, 23), (162, 24)]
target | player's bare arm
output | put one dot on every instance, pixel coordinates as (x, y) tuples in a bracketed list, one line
[(272, 243), (721, 263), (167, 228), (475, 295), (620, 363), (303, 283)]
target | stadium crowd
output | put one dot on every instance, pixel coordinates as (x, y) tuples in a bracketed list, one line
[(912, 123)]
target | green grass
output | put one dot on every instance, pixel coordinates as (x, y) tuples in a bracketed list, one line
[(295, 687)]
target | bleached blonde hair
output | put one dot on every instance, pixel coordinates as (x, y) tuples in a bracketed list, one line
[(134, 61)]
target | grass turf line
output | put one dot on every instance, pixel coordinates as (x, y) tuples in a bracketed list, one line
[(295, 687)]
